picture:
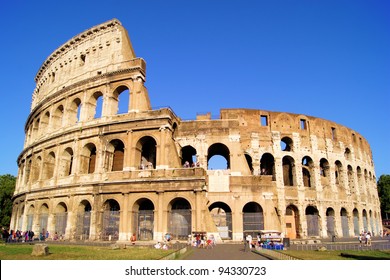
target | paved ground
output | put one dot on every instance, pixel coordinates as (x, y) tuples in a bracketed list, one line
[(224, 252)]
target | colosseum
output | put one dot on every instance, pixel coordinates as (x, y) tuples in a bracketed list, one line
[(98, 163)]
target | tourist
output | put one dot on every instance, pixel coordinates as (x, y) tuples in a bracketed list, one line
[(133, 238)]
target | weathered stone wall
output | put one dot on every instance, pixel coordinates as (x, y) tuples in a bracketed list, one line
[(89, 171)]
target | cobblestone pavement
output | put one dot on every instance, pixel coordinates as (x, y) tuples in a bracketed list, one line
[(224, 252)]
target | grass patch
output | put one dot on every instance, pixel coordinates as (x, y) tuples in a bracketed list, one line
[(78, 252), (339, 255)]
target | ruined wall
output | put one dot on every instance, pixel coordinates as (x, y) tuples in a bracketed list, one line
[(88, 165)]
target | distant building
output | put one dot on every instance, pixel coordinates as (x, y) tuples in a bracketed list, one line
[(93, 170)]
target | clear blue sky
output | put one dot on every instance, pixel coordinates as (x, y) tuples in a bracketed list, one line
[(329, 59)]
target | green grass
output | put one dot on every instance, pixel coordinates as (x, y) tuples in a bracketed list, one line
[(339, 255), (77, 252)]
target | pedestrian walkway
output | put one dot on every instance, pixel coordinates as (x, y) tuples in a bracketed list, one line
[(224, 252)]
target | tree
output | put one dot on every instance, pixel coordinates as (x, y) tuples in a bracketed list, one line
[(384, 195), (7, 188)]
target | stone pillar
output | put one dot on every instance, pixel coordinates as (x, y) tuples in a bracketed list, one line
[(124, 230)]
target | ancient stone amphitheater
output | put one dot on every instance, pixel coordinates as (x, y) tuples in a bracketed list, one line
[(100, 164)]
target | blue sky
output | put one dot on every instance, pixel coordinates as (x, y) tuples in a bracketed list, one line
[(329, 59)]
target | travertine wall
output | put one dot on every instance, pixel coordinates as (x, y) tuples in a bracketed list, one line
[(91, 171)]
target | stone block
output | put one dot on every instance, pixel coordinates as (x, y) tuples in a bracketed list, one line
[(40, 250)]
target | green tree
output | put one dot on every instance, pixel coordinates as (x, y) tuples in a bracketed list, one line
[(7, 188), (384, 195)]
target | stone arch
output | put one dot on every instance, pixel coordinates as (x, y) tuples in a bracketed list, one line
[(45, 121), (355, 215), (30, 217), (330, 222), (60, 219), (179, 219), (344, 222), (287, 144), (143, 210), (88, 159), (218, 150), (94, 108), (267, 164), (115, 155), (122, 96), (312, 220), (253, 218), (111, 220), (351, 180), (74, 111), (365, 220), (249, 161), (146, 152), (347, 154), (221, 214), (66, 162), (57, 117), (36, 169), (84, 212), (307, 171), (339, 173), (188, 156), (289, 175), (292, 222), (49, 166), (43, 218)]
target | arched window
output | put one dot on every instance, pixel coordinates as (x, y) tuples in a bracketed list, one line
[(146, 153), (249, 162), (312, 221), (330, 222), (111, 219), (115, 152), (307, 168), (288, 171), (286, 144), (88, 159), (344, 222), (179, 219), (267, 164), (83, 220), (48, 170), (57, 117), (253, 218), (222, 218), (66, 164), (188, 156), (218, 157), (74, 111), (61, 219), (122, 94), (143, 211)]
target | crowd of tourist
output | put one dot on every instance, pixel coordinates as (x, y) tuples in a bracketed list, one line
[(9, 236)]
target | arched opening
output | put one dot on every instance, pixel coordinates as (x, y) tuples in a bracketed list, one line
[(115, 152), (74, 111), (218, 157), (365, 220), (312, 221), (83, 220), (351, 181), (30, 217), (188, 156), (307, 168), (57, 117), (36, 168), (344, 222), (61, 218), (267, 164), (88, 159), (288, 171), (222, 217), (359, 178), (292, 222), (111, 218), (249, 162), (286, 144), (355, 214), (338, 173), (44, 127), (98, 102), (147, 152), (48, 170), (253, 218), (43, 219), (144, 219), (347, 154), (330, 222), (122, 94), (66, 164), (179, 220)]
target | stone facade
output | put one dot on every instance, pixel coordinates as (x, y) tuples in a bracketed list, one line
[(99, 164)]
